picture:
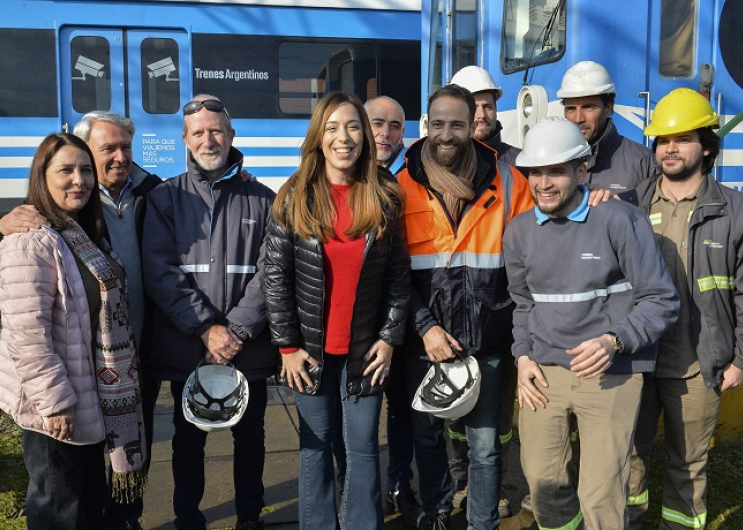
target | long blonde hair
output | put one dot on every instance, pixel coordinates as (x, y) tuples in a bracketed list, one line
[(305, 203)]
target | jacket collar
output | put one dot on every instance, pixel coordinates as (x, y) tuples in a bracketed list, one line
[(711, 196), (483, 174), (231, 168), (138, 175), (495, 140), (608, 143), (397, 161)]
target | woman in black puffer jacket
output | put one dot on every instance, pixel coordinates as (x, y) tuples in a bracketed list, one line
[(337, 291)]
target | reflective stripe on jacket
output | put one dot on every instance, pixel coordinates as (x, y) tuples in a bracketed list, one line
[(458, 274), (202, 260)]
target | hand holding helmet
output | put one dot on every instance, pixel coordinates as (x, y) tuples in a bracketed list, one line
[(221, 343), (440, 344), (450, 389)]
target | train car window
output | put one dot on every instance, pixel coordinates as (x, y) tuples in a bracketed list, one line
[(91, 79), (464, 35), (533, 33), (268, 77), (160, 76), (677, 37), (400, 74), (239, 69), (28, 84), (309, 70), (731, 39)]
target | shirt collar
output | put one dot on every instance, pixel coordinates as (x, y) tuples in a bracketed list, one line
[(105, 191), (658, 193), (578, 215)]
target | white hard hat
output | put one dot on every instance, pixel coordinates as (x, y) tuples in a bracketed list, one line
[(586, 78), (215, 397), (552, 141), (450, 389), (476, 79)]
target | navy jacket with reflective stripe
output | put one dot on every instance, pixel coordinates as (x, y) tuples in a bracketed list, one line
[(202, 255)]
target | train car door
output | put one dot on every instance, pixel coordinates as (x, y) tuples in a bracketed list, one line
[(141, 74)]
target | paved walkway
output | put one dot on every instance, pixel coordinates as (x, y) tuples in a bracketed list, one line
[(280, 476)]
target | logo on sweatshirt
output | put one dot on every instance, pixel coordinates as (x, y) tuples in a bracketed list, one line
[(588, 255), (712, 244), (248, 221)]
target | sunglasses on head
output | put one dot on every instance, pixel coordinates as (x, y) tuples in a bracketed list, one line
[(212, 105)]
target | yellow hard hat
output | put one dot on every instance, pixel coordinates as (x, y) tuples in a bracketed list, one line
[(682, 110)]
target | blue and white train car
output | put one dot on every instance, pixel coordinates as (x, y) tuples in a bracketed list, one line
[(649, 47), (269, 61)]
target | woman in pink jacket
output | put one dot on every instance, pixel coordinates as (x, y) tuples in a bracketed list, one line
[(68, 368)]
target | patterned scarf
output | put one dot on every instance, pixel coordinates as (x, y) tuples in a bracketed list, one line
[(456, 188), (116, 367)]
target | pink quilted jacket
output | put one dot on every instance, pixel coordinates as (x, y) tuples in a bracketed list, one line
[(46, 361)]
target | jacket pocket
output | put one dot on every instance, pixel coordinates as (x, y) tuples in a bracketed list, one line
[(419, 221)]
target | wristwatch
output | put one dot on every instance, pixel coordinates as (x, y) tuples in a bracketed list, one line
[(618, 344)]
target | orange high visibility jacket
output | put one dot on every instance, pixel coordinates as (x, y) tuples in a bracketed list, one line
[(458, 272)]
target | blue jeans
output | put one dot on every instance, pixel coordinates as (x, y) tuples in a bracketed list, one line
[(484, 448), (248, 459), (362, 503), (67, 483), (399, 433)]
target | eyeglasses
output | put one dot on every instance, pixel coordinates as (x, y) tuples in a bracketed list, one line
[(212, 105)]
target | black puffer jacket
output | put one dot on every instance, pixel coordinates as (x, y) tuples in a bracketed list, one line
[(294, 289)]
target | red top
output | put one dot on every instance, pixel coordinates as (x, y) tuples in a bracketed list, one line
[(342, 260)]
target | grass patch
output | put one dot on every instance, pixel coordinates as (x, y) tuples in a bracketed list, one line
[(13, 476), (724, 487)]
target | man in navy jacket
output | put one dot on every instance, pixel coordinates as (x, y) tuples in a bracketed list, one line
[(202, 261)]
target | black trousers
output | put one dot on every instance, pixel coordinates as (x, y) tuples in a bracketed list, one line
[(67, 483), (248, 459)]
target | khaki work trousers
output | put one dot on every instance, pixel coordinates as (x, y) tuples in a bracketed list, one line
[(689, 415), (606, 410)]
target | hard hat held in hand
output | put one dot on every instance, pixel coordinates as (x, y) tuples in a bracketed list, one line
[(682, 110), (450, 389), (215, 397), (476, 79), (553, 141), (586, 78)]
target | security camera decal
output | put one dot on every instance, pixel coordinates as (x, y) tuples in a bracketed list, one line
[(88, 66), (163, 67)]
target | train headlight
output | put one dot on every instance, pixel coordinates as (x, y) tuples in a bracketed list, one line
[(532, 107), (527, 107)]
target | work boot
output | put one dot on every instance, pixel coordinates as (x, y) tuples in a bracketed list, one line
[(388, 503), (408, 506), (439, 521)]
